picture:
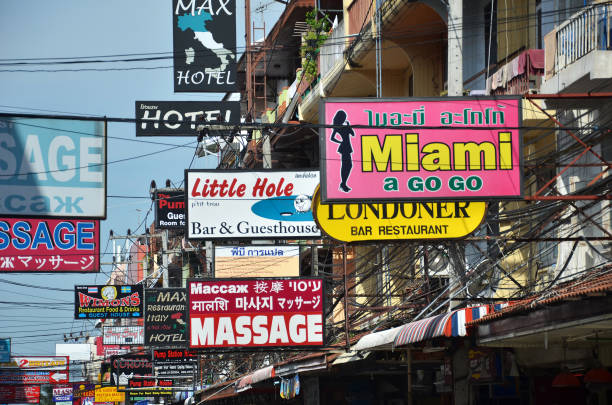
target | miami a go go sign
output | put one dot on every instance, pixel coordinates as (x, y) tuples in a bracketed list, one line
[(452, 148)]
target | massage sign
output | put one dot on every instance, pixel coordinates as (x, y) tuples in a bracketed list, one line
[(252, 313), (430, 149), (108, 301)]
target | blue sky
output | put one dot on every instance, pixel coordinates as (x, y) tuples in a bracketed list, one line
[(77, 28)]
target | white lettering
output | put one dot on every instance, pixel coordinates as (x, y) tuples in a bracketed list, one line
[(315, 328), (91, 160), (243, 333), (32, 161), (9, 163), (259, 329), (68, 170), (225, 332), (143, 123), (298, 335), (202, 334), (278, 330), (179, 118)]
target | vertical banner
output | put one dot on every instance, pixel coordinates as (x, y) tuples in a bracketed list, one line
[(52, 168), (49, 246), (166, 317), (204, 35), (451, 148)]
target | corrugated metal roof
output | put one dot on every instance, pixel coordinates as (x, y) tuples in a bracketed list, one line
[(589, 285)]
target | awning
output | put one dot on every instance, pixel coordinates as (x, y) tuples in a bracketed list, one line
[(378, 340), (262, 374), (350, 357), (451, 324), (316, 361)]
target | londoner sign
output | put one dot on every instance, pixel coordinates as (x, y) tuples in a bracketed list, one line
[(429, 149), (256, 313), (371, 221)]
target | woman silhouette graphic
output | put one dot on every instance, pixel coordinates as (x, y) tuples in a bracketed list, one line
[(343, 128)]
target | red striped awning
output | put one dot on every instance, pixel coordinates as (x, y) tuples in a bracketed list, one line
[(451, 324)]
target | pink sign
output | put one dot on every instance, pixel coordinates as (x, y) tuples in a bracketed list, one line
[(450, 148), (263, 312), (49, 245)]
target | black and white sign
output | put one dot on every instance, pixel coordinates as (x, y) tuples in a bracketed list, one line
[(125, 367), (204, 34), (181, 118), (174, 362), (170, 209), (166, 317), (250, 204)]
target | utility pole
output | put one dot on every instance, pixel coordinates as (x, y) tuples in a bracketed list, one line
[(165, 270), (455, 48)]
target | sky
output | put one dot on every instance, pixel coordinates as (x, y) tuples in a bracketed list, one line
[(76, 28)]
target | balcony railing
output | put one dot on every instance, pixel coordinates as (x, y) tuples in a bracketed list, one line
[(332, 49), (584, 32)]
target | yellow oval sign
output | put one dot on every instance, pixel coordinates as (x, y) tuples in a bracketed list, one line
[(397, 221)]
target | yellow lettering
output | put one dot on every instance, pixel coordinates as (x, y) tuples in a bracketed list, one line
[(437, 157), (390, 154), (412, 152), (477, 154), (505, 150)]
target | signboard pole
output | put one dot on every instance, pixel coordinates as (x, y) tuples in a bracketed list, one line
[(346, 311)]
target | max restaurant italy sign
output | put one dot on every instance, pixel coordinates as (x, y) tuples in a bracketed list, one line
[(165, 319), (430, 149)]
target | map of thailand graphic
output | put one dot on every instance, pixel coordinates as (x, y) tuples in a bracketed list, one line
[(197, 24)]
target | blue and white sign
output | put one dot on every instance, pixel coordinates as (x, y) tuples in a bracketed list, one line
[(52, 168), (241, 204), (5, 350)]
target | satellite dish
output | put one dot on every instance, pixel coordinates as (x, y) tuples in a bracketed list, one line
[(439, 263), (480, 279)]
